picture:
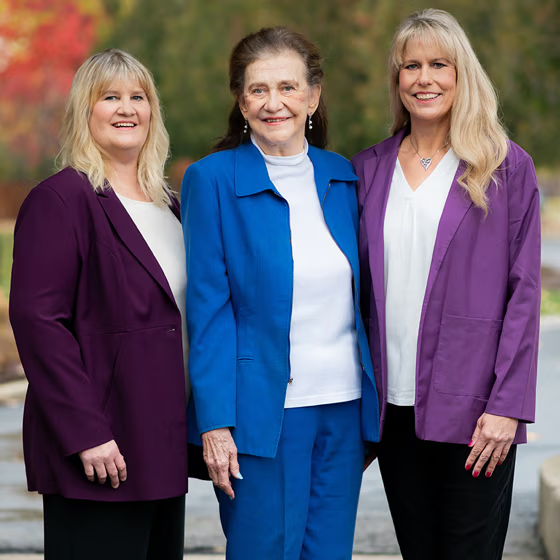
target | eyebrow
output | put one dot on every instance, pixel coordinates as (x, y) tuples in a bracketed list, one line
[(264, 84)]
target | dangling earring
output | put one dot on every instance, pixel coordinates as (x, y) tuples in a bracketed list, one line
[(310, 124), (246, 127)]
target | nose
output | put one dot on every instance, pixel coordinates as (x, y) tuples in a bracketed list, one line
[(425, 76), (125, 106), (273, 102)]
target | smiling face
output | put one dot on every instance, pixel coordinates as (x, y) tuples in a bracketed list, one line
[(120, 119), (427, 82), (277, 100)]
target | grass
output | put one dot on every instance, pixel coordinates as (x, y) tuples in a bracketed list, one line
[(550, 302)]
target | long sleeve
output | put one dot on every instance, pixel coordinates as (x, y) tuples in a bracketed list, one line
[(45, 277), (514, 390), (210, 317)]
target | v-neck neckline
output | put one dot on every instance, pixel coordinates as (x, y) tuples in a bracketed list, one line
[(421, 185)]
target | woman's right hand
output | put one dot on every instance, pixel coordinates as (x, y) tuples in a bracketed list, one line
[(220, 455), (104, 460)]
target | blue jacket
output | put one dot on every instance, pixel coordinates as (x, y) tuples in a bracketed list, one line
[(239, 290)]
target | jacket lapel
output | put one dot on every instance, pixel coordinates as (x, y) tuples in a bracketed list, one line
[(131, 237), (456, 206)]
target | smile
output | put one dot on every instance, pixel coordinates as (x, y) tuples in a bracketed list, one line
[(426, 96), (124, 125), (276, 120)]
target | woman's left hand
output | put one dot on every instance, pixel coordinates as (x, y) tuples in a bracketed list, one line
[(491, 442)]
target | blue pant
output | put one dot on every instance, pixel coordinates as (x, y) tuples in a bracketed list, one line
[(302, 504)]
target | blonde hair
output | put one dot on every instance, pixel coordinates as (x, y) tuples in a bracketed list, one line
[(80, 151), (476, 133)]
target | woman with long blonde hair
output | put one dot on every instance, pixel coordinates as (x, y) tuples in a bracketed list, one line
[(96, 302), (450, 251)]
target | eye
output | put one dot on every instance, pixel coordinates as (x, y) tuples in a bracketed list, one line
[(111, 97), (257, 91), (439, 65), (138, 97), (411, 66), (288, 88)]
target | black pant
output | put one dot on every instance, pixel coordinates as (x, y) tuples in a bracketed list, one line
[(88, 530), (439, 510)]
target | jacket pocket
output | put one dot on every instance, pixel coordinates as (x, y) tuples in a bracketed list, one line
[(466, 355)]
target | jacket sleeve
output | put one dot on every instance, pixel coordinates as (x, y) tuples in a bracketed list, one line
[(514, 390), (210, 318), (45, 277)]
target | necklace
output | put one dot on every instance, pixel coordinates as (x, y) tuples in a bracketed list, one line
[(427, 161)]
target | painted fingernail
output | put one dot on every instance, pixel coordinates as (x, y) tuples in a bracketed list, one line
[(230, 497), (471, 443), (488, 474), (468, 467), (476, 473), (238, 476)]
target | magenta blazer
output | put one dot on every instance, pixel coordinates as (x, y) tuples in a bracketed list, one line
[(479, 327), (99, 335)]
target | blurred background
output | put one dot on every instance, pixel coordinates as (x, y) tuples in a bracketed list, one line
[(186, 44)]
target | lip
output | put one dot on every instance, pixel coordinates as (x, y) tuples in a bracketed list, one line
[(426, 101), (277, 122), (134, 125)]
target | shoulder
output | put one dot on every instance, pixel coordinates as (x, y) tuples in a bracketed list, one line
[(387, 146), (516, 157), (69, 185), (213, 164), (337, 165)]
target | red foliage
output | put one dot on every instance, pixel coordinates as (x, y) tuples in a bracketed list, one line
[(46, 41)]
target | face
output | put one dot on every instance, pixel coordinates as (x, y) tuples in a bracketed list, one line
[(120, 119), (277, 101), (427, 82)]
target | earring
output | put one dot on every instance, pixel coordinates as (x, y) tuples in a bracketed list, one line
[(246, 127), (310, 124)]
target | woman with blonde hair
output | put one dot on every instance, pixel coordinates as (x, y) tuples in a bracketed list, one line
[(98, 287), (450, 251)]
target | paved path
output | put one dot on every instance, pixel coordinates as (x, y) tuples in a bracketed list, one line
[(20, 512)]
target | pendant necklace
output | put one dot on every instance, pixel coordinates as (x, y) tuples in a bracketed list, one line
[(427, 161)]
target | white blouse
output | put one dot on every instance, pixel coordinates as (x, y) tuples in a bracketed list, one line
[(410, 227)]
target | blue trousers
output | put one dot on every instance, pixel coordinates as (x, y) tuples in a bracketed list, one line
[(302, 504)]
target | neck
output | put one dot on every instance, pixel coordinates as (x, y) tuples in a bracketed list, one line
[(123, 176), (428, 137)]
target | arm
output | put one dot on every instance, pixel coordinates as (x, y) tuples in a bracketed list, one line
[(513, 394), (45, 276), (211, 326)]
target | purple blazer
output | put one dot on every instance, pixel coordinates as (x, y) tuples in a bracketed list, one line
[(479, 327), (99, 335)]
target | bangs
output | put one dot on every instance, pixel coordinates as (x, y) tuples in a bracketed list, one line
[(429, 33)]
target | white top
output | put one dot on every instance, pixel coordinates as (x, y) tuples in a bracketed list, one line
[(410, 228), (163, 234), (324, 357)]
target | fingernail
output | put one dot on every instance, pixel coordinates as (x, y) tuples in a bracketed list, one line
[(468, 467), (476, 473), (488, 474), (230, 497), (471, 443), (238, 476), (500, 462)]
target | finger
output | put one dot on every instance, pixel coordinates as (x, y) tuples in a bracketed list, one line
[(113, 473), (475, 453), (475, 435), (225, 484), (90, 472), (505, 452), (234, 466), (101, 472), (483, 458), (494, 460), (121, 467)]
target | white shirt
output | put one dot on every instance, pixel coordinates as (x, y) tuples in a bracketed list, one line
[(163, 234), (410, 228), (324, 357)]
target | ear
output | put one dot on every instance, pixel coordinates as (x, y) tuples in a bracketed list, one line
[(242, 105), (314, 97)]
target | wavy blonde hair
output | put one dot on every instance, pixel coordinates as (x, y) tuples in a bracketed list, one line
[(80, 151), (476, 133)]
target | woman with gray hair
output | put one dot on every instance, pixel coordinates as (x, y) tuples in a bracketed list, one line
[(449, 247), (97, 292)]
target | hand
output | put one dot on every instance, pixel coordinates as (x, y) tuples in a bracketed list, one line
[(491, 442), (220, 455), (104, 460)]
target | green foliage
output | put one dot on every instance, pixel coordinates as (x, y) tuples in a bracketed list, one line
[(186, 43), (6, 247), (550, 302)]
